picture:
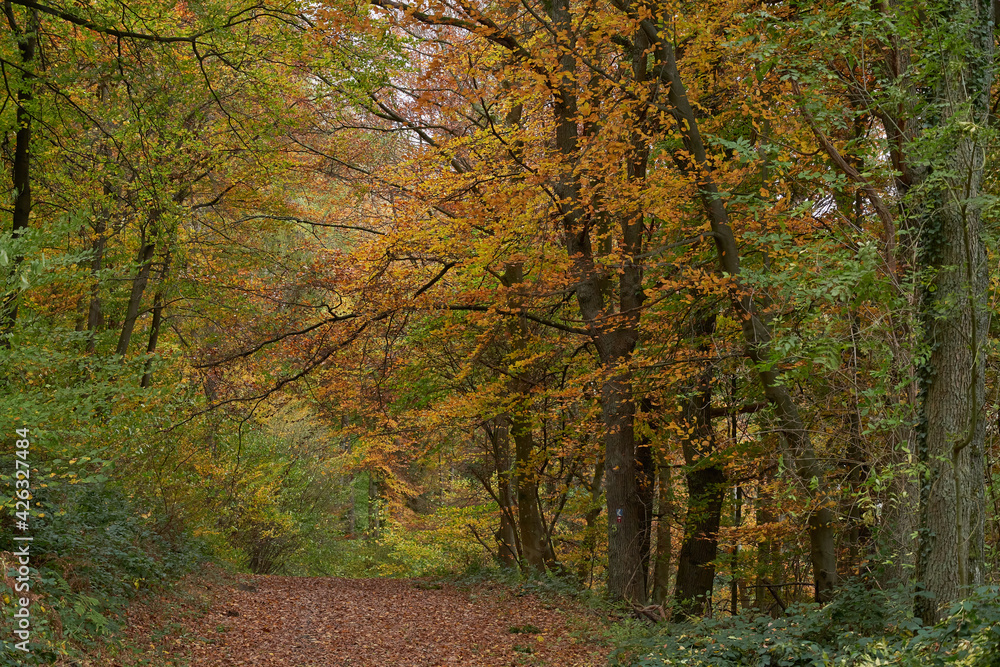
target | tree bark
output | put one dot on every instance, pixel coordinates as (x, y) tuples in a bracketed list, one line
[(95, 316), (529, 517), (765, 555), (535, 549), (937, 151), (615, 335), (590, 535), (664, 545), (946, 211), (508, 547), (27, 40), (646, 480), (373, 506), (154, 327), (706, 483), (145, 262)]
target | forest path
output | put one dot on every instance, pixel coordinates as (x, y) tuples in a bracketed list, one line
[(271, 621)]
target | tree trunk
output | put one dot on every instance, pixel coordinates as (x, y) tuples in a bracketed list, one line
[(145, 262), (736, 584), (21, 169), (154, 336), (154, 327), (373, 503), (706, 483), (953, 311), (664, 546), (696, 562), (352, 509), (210, 384), (626, 577), (646, 482), (647, 493), (529, 517), (615, 335), (858, 535), (534, 538), (593, 513), (507, 535), (765, 555), (508, 548), (95, 317)]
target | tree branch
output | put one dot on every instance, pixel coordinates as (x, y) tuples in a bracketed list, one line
[(533, 318)]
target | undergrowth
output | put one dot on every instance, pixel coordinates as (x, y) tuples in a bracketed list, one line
[(92, 552), (861, 628)]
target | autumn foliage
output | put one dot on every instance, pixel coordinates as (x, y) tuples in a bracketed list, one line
[(685, 303)]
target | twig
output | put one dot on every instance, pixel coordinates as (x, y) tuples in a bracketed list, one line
[(485, 546)]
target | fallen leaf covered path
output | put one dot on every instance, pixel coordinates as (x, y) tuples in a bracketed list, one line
[(299, 621)]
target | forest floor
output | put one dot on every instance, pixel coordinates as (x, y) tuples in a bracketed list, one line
[(220, 619)]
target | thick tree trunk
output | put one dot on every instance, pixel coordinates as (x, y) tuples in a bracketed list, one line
[(626, 513), (706, 483), (615, 334), (954, 314), (696, 561), (529, 517), (951, 529)]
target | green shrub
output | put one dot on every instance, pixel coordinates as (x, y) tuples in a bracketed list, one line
[(860, 628), (92, 552)]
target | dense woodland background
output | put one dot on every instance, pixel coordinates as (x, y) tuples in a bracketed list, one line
[(685, 304)]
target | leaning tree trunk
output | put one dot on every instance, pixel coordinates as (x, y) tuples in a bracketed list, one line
[(145, 261), (756, 333)]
